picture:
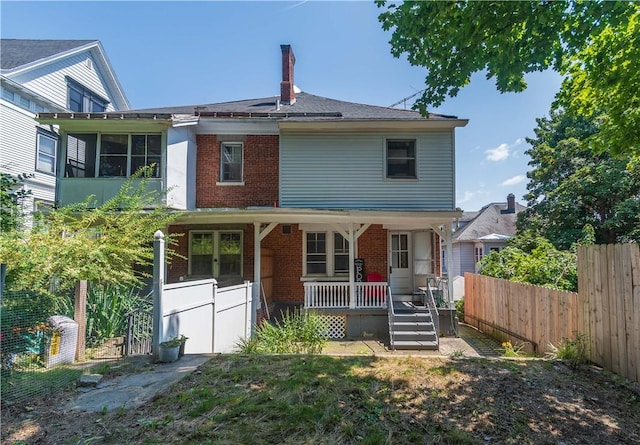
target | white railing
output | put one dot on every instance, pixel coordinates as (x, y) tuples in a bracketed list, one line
[(336, 295)]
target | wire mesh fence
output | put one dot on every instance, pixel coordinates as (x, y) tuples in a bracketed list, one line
[(39, 351)]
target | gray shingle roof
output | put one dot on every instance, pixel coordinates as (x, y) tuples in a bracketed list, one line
[(305, 103), (489, 220), (18, 52)]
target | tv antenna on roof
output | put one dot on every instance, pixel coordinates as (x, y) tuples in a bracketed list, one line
[(404, 101)]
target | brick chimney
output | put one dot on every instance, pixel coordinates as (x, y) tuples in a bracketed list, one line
[(511, 205), (287, 95)]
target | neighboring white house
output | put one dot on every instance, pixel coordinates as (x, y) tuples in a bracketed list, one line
[(476, 234), (40, 76)]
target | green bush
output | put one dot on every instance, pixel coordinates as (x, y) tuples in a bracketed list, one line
[(299, 332)]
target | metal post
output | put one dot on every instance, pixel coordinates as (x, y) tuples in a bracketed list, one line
[(158, 284)]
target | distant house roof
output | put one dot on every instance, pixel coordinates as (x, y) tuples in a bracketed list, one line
[(18, 52), (491, 223)]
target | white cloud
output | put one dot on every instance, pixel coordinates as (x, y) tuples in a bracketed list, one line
[(468, 196), (502, 151), (513, 181)]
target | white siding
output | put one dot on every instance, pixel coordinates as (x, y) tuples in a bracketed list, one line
[(18, 132), (180, 158), (50, 80), (348, 171)]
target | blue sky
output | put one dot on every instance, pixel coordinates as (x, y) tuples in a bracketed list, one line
[(184, 53)]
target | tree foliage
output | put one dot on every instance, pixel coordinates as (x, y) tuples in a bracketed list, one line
[(453, 40), (571, 186), (110, 243), (603, 84), (530, 258)]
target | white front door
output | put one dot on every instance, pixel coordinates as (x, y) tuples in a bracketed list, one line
[(400, 265)]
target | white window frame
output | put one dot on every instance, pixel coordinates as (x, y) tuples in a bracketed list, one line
[(54, 157), (329, 255), (216, 251), (415, 159), (235, 145)]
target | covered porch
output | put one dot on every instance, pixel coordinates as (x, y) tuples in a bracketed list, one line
[(383, 255)]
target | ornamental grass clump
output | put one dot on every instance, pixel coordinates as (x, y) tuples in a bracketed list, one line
[(298, 332), (574, 352)]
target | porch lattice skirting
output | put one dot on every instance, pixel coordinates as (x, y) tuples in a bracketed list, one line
[(336, 324)]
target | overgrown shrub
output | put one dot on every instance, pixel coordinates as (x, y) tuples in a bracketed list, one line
[(299, 332)]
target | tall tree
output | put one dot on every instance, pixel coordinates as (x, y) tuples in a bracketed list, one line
[(453, 40), (571, 186)]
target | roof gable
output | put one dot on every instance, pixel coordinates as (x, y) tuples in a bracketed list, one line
[(23, 55), (490, 224)]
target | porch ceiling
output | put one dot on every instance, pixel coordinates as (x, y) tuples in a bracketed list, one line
[(391, 218)]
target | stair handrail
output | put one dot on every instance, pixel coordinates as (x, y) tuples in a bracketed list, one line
[(431, 302), (391, 317)]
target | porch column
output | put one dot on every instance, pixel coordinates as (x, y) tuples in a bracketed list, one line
[(258, 236), (352, 272), (448, 237)]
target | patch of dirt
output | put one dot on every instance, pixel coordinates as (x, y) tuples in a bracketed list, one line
[(320, 399)]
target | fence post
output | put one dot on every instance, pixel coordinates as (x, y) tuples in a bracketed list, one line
[(213, 316), (248, 313), (80, 317), (158, 284)]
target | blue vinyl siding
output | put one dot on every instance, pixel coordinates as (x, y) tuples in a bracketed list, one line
[(347, 171)]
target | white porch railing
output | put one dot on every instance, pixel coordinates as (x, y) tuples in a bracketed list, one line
[(335, 295)]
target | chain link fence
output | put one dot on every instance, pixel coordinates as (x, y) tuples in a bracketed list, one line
[(40, 349)]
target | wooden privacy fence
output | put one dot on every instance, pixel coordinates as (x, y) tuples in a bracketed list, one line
[(606, 308), (609, 287), (521, 313)]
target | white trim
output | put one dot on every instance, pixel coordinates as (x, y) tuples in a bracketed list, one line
[(52, 137), (229, 183)]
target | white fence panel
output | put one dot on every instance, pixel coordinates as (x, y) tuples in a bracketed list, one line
[(188, 309), (232, 317)]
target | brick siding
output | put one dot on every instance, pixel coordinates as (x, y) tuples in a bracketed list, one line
[(260, 173)]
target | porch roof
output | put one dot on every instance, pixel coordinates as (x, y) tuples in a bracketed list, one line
[(407, 219)]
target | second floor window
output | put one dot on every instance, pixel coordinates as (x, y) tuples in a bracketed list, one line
[(231, 162), (46, 148), (82, 100), (401, 159)]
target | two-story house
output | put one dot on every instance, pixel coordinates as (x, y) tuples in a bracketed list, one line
[(48, 76), (290, 192)]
